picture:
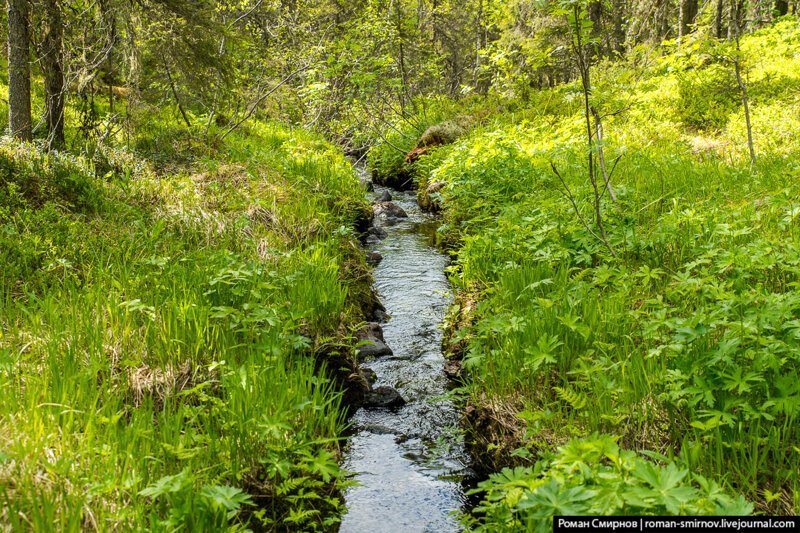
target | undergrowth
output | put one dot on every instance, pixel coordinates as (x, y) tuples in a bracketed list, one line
[(158, 332), (683, 342)]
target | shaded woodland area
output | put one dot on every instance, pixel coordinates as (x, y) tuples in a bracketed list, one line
[(342, 67)]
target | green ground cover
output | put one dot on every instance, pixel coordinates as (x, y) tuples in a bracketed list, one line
[(164, 328), (680, 337)]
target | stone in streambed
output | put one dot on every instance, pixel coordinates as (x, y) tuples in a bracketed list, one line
[(383, 397), (389, 210), (367, 184), (375, 346), (380, 315), (369, 375), (377, 312), (373, 258), (372, 330), (385, 196), (378, 233), (374, 235)]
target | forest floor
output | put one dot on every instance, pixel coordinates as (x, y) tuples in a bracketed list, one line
[(648, 363), (178, 314), (165, 325)]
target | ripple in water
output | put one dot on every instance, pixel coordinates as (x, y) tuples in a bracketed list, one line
[(408, 462)]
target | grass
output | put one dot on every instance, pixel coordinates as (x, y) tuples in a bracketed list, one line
[(684, 344), (158, 325)]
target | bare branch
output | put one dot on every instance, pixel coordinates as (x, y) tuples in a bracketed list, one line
[(567, 193), (245, 14), (261, 99)]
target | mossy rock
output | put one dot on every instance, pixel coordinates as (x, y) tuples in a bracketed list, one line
[(428, 196), (446, 132), (399, 178)]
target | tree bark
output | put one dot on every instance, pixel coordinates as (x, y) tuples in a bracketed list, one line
[(175, 95), (737, 66), (688, 13), (584, 59), (110, 31), (19, 70), (735, 18), (52, 62), (746, 106), (601, 158), (619, 26)]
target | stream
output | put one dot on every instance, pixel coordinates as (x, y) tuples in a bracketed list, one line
[(409, 462)]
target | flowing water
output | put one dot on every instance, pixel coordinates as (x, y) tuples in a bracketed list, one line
[(410, 461)]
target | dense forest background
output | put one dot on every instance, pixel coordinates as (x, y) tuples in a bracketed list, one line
[(349, 69)]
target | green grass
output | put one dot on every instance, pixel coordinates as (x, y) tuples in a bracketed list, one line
[(685, 343), (443, 120), (158, 332)]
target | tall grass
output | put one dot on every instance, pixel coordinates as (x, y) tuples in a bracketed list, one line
[(685, 343), (157, 334)]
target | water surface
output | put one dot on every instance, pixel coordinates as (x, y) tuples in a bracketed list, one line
[(409, 461)]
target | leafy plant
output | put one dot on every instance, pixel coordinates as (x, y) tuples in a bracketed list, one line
[(593, 476)]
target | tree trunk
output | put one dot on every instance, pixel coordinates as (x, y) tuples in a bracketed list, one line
[(595, 12), (175, 95), (584, 58), (746, 106), (478, 44), (619, 11), (662, 24), (718, 21), (19, 70), (735, 19), (601, 158), (405, 95), (52, 62), (737, 66), (688, 10), (110, 30)]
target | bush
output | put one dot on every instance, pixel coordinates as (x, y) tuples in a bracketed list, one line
[(595, 477), (29, 178), (706, 98)]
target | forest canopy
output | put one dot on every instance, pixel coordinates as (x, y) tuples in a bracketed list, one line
[(342, 67)]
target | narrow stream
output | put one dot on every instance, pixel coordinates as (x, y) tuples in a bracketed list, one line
[(409, 461)]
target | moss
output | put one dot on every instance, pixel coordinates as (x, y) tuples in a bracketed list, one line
[(446, 132)]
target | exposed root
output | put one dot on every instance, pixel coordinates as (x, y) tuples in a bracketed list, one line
[(493, 432)]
